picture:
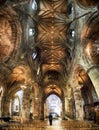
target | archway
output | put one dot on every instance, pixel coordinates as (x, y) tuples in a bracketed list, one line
[(90, 40), (53, 105), (55, 92), (84, 93), (16, 103)]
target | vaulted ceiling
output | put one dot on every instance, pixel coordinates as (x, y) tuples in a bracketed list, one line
[(47, 55)]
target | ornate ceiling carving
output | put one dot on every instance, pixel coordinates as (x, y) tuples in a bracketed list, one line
[(91, 39), (51, 38), (49, 52), (10, 34), (21, 74)]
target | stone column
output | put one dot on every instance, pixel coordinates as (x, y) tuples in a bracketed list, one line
[(63, 109), (69, 102), (26, 104), (0, 106), (6, 106), (45, 110), (78, 103), (66, 105), (42, 111), (94, 76), (36, 108), (31, 102)]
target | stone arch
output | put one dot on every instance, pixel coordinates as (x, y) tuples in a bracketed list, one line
[(15, 105), (90, 39), (47, 91), (10, 34), (7, 100), (44, 98), (54, 97), (61, 98), (84, 82), (20, 75), (84, 91)]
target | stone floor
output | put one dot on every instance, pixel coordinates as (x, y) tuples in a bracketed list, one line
[(54, 128), (56, 125), (72, 125)]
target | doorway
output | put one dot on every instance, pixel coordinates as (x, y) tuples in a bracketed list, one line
[(53, 105)]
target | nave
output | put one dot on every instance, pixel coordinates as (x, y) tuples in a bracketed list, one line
[(49, 63), (56, 125)]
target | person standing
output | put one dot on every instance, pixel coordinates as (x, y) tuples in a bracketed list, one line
[(50, 119)]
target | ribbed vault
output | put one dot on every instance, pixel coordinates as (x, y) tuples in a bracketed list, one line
[(41, 43), (20, 75), (10, 34), (51, 40), (90, 39)]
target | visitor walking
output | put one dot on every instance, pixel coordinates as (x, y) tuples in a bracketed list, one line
[(50, 119)]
